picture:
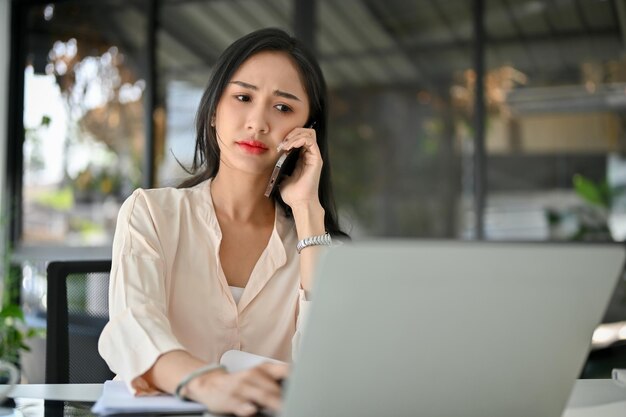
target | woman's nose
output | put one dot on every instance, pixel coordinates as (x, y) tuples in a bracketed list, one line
[(257, 121)]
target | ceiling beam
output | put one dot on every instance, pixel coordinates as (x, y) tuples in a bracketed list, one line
[(521, 36), (620, 7), (433, 47)]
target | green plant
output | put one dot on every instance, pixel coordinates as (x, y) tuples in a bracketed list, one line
[(597, 194), (14, 332), (588, 222)]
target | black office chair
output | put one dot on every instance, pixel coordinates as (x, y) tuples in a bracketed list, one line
[(77, 312)]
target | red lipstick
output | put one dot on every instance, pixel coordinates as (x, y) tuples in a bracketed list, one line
[(254, 147)]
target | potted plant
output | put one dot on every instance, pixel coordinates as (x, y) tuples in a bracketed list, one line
[(14, 332), (588, 221)]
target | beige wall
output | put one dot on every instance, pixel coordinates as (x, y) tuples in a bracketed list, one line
[(555, 133)]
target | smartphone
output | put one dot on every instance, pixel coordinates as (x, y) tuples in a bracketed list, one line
[(284, 166)]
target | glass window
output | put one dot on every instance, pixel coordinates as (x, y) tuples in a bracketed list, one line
[(556, 91), (396, 133), (191, 37), (83, 118)]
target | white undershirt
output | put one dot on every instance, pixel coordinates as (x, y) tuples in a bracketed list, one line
[(236, 292)]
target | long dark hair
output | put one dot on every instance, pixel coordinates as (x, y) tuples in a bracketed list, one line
[(206, 158)]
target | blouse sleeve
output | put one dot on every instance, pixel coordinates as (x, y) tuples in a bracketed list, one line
[(303, 311), (138, 331)]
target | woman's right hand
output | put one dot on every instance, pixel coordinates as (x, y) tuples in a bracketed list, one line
[(241, 393)]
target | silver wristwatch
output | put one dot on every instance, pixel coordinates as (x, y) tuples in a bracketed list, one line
[(323, 240)]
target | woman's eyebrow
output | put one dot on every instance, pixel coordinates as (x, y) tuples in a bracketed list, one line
[(285, 94), (278, 93)]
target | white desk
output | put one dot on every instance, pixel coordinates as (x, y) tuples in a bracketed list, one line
[(61, 392), (596, 398), (589, 398)]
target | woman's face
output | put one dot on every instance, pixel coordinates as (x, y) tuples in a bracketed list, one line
[(264, 101)]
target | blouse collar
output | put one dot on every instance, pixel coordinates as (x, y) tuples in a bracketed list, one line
[(272, 258)]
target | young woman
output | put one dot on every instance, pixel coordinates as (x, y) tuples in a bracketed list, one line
[(215, 265)]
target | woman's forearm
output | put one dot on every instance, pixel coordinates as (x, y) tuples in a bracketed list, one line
[(241, 393), (309, 220), (170, 368)]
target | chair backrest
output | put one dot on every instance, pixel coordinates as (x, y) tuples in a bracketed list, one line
[(77, 304)]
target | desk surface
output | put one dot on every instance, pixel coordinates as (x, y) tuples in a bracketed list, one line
[(60, 392), (590, 397)]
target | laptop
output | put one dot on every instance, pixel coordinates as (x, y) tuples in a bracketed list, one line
[(443, 328)]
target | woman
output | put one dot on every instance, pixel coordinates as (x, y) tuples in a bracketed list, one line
[(213, 265)]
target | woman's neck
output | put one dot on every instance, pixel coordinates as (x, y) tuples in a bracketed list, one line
[(240, 197)]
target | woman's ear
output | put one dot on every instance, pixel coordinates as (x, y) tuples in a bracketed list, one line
[(213, 121)]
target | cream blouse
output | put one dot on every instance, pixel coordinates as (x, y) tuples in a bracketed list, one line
[(168, 290)]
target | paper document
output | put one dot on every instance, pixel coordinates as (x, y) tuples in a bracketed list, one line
[(236, 360), (117, 399)]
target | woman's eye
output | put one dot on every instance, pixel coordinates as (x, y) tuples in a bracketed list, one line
[(283, 108), (242, 97)]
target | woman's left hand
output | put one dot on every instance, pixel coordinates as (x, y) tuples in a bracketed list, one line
[(301, 188)]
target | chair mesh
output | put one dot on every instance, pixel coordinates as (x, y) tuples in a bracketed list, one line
[(87, 301)]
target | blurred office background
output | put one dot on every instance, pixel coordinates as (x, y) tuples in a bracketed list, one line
[(483, 119)]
